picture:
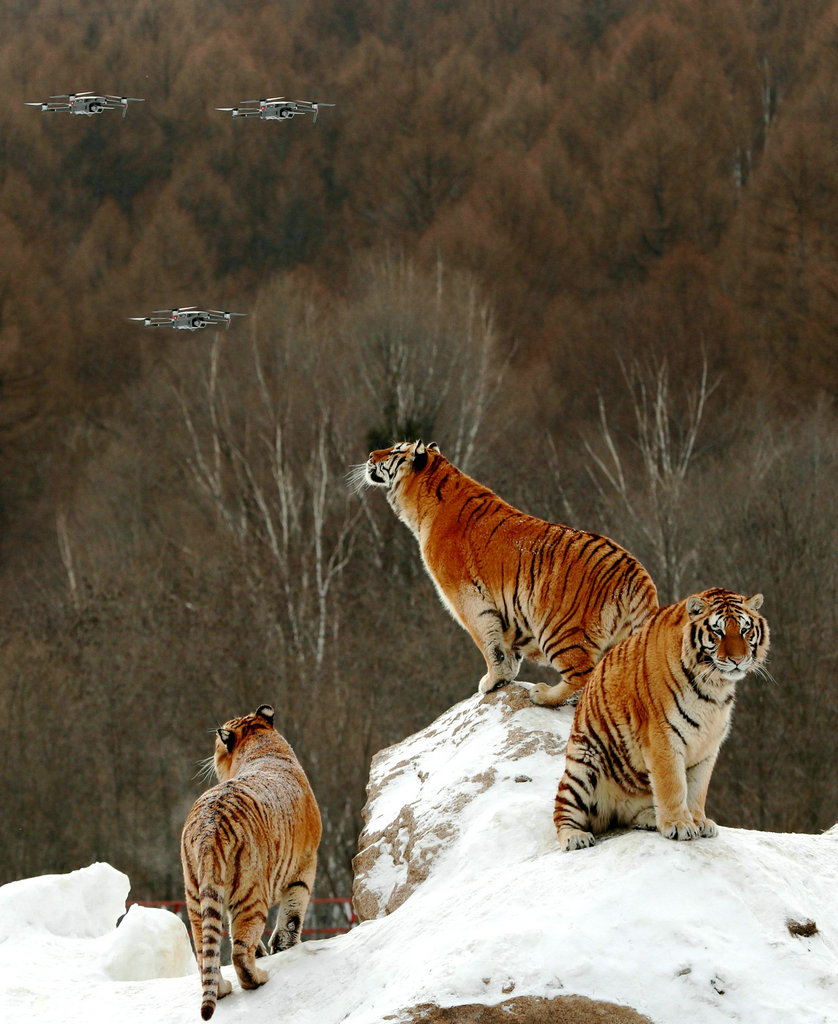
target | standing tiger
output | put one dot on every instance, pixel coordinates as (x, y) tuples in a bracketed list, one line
[(520, 586), (653, 716), (248, 843)]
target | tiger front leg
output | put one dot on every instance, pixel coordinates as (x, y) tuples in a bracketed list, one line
[(502, 663), (668, 779), (698, 782)]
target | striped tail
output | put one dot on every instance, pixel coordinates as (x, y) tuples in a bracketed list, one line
[(211, 930)]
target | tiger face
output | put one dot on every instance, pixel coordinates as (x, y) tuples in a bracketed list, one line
[(231, 737), (388, 465), (726, 633)]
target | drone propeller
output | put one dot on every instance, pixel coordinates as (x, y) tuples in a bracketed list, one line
[(316, 107)]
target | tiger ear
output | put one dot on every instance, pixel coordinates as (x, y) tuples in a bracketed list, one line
[(267, 712), (696, 605), (755, 602), (228, 738), (434, 447), (420, 457)]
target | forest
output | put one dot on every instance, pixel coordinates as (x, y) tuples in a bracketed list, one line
[(589, 247)]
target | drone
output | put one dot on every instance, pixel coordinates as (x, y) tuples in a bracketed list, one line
[(189, 318), (85, 103), (278, 108)]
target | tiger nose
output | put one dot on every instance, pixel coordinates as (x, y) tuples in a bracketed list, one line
[(736, 658)]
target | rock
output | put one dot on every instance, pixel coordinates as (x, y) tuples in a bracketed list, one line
[(432, 774), (524, 1010)]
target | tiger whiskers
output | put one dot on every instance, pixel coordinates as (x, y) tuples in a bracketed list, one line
[(356, 478), (761, 670), (206, 769)]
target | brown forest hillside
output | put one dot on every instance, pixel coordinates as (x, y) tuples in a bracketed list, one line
[(589, 246)]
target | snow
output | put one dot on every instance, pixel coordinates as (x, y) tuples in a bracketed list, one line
[(482, 905)]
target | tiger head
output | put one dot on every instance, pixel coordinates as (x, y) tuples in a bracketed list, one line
[(726, 633), (233, 738), (389, 466)]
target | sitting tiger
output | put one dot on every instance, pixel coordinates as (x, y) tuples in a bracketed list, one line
[(651, 720), (520, 586), (248, 843)]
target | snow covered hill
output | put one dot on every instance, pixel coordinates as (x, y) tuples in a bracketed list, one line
[(465, 898)]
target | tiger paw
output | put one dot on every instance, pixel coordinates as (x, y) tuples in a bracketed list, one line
[(680, 829), (538, 693), (489, 683), (551, 696), (575, 839), (707, 828), (645, 820)]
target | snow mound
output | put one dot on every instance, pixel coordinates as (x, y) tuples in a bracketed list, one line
[(149, 943), (84, 903), (459, 833), (420, 792), (467, 901)]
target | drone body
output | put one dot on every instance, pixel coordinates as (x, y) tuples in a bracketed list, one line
[(85, 104), (278, 108), (188, 318)]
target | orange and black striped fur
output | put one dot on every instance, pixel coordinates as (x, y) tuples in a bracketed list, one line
[(520, 586), (653, 716), (249, 843)]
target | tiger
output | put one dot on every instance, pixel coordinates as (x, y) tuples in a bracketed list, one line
[(649, 724), (520, 586), (248, 843)]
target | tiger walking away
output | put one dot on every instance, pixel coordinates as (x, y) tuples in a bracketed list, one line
[(650, 722), (249, 843), (520, 586)]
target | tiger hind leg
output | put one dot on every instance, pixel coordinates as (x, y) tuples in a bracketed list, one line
[(246, 928), (574, 663), (576, 805), (293, 904)]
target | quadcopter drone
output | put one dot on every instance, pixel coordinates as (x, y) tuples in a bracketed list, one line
[(278, 108), (189, 318), (85, 103)]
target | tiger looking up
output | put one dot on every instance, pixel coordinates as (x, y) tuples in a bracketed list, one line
[(249, 843), (651, 720), (520, 586)]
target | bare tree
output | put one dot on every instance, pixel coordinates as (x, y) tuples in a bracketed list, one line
[(428, 356), (651, 488), (278, 489)]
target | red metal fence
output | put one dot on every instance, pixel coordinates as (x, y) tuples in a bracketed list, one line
[(327, 903)]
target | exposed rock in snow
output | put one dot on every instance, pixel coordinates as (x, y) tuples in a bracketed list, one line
[(525, 1010), (419, 789)]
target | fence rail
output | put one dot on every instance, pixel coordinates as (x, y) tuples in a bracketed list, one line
[(178, 907)]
